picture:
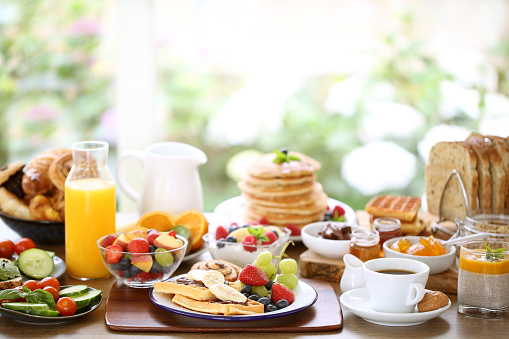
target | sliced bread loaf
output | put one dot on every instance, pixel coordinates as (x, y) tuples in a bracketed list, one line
[(503, 149), (443, 158)]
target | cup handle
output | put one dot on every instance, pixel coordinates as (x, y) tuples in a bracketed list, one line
[(122, 182), (415, 294)]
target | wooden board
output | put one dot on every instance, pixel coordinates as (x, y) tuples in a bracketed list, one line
[(130, 309)]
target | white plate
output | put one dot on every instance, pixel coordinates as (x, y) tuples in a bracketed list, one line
[(58, 269), (232, 210), (358, 302), (305, 296), (195, 254)]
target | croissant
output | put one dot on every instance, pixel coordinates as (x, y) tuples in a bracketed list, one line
[(40, 209), (36, 178), (10, 204), (59, 169)]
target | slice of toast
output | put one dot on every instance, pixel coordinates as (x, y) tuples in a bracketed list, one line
[(484, 192), (219, 307)]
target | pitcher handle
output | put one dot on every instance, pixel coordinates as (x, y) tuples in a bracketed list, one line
[(122, 182)]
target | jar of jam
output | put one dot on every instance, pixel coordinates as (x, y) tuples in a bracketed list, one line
[(365, 244), (387, 228)]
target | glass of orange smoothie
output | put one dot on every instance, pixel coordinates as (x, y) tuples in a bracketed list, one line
[(89, 209), (483, 279)]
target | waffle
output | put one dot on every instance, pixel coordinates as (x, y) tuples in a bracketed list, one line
[(189, 288), (404, 208), (219, 307)]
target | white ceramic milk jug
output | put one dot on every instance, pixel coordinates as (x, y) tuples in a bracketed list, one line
[(353, 276), (170, 181)]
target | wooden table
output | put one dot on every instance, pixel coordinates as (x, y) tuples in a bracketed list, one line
[(449, 325)]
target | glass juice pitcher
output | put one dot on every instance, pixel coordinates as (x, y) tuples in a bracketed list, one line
[(90, 208)]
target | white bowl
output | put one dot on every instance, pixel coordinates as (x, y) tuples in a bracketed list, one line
[(437, 264), (334, 249)]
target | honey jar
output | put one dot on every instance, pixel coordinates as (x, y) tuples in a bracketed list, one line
[(387, 228), (365, 244)]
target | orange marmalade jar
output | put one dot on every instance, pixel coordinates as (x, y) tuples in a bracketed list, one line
[(365, 244)]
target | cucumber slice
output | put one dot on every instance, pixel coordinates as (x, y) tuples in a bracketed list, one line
[(89, 298), (44, 313), (25, 307), (51, 253), (35, 263), (73, 291)]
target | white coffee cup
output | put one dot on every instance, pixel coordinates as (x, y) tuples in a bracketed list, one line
[(395, 285)]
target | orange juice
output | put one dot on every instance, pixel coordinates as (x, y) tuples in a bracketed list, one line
[(89, 215)]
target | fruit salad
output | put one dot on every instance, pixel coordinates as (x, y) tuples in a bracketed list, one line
[(140, 257)]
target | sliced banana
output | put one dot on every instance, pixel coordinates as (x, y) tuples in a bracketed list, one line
[(227, 293), (212, 277), (196, 274)]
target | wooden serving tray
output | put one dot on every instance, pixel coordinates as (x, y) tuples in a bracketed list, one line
[(130, 309)]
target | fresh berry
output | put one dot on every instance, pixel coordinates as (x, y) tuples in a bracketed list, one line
[(263, 221), (152, 236), (295, 230), (271, 236), (113, 254), (282, 303), (108, 240), (277, 235), (221, 233), (252, 223), (138, 245), (338, 214), (231, 239), (249, 242), (253, 276), (173, 233), (233, 227), (144, 276), (280, 292)]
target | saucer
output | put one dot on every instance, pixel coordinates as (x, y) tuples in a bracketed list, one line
[(358, 302)]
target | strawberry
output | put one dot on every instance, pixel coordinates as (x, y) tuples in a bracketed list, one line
[(271, 236), (173, 233), (152, 236), (108, 240), (221, 233), (338, 214), (113, 254), (295, 230), (250, 242), (263, 221), (148, 276), (138, 245), (253, 275), (279, 292)]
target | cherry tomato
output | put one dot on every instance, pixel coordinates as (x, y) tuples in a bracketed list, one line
[(66, 306), (6, 248), (24, 244), (7, 301), (50, 281), (21, 289), (53, 291), (32, 285)]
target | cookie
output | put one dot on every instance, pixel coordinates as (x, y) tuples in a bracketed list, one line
[(432, 300)]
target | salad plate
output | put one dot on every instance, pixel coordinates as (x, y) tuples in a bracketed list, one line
[(231, 210), (358, 302), (305, 296), (40, 320)]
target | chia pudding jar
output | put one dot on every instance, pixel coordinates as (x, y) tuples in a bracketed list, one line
[(483, 279)]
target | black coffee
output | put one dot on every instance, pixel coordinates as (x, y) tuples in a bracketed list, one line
[(396, 272)]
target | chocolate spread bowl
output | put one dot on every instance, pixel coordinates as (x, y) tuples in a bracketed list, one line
[(328, 248)]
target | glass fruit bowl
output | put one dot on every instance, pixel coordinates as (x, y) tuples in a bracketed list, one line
[(142, 270)]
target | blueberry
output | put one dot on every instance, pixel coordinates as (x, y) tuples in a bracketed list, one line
[(124, 264), (246, 294), (156, 267), (264, 300), (166, 269), (246, 289), (233, 228), (245, 226), (220, 243), (277, 235), (127, 274), (327, 216), (152, 248), (116, 267), (231, 239), (282, 304), (254, 297), (269, 285), (134, 270), (271, 308), (284, 150)]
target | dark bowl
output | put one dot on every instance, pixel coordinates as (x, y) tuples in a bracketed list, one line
[(41, 232)]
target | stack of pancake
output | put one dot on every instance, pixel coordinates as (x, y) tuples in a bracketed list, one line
[(283, 193)]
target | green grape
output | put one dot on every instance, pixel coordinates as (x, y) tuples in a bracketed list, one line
[(288, 266), (270, 269), (288, 279), (264, 258), (261, 291)]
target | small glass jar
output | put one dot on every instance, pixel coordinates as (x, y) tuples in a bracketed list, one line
[(365, 244), (387, 228)]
